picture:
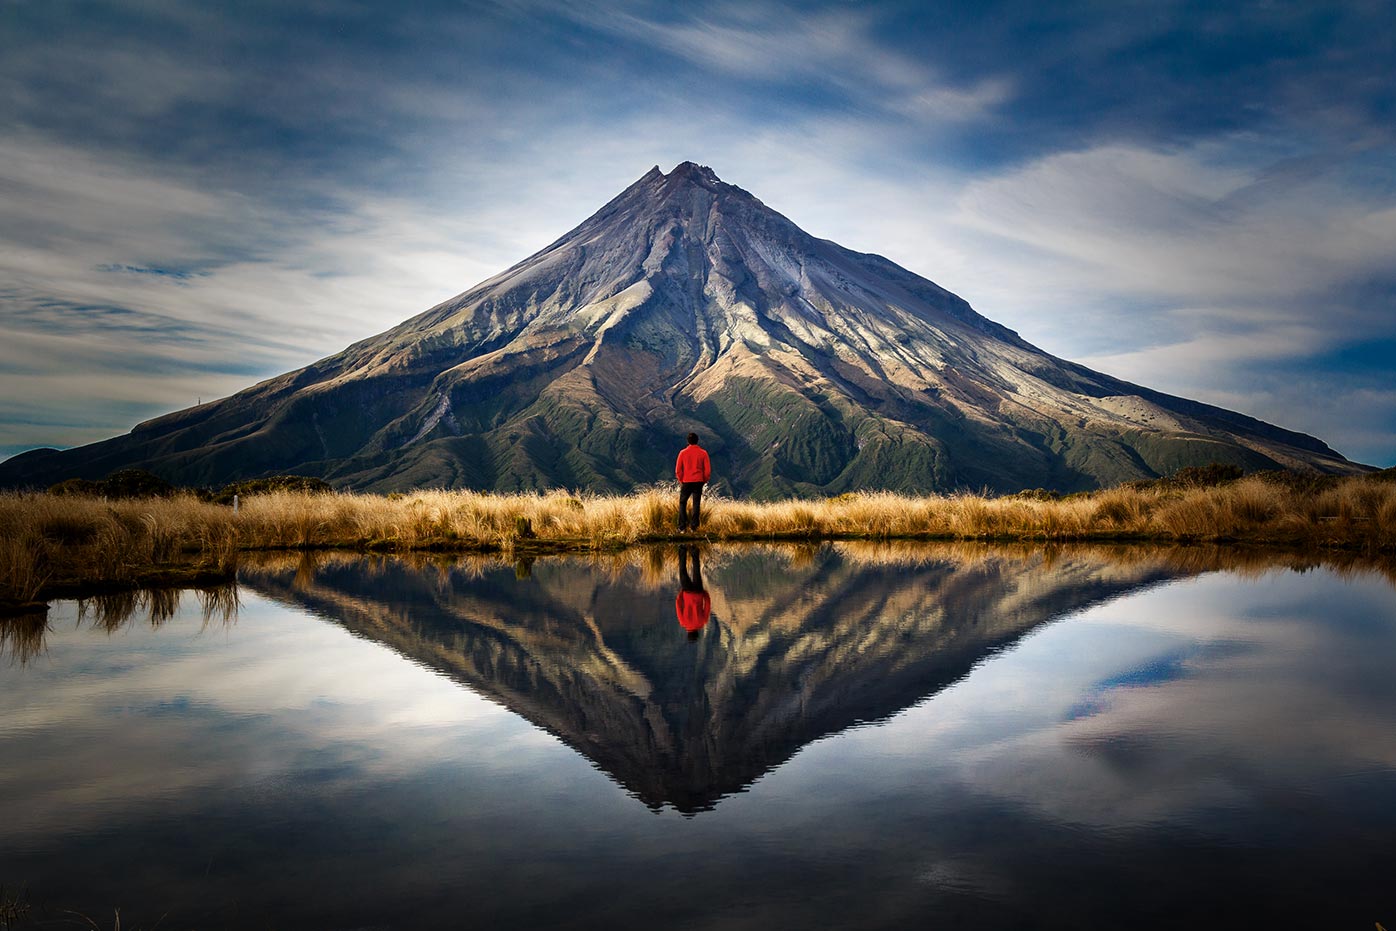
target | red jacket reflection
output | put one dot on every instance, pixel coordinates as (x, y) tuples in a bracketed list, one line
[(693, 609)]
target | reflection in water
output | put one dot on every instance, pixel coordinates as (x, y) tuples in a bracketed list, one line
[(112, 610), (22, 637), (796, 644), (1219, 753), (692, 604)]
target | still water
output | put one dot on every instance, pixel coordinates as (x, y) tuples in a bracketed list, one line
[(836, 737)]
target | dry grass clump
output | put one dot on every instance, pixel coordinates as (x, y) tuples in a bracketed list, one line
[(23, 573), (445, 519), (1354, 512), (49, 543)]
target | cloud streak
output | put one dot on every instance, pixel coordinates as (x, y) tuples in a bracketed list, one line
[(1200, 200)]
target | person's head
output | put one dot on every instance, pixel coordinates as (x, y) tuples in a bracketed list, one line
[(693, 439)]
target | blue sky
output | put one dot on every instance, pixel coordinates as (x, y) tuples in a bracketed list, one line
[(198, 195)]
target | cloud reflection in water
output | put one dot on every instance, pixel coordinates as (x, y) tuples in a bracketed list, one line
[(384, 741)]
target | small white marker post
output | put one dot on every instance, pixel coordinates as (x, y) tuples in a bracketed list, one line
[(235, 504)]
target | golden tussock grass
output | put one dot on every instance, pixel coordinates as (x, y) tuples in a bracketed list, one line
[(52, 544)]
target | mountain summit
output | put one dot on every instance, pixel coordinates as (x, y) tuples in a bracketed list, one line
[(686, 304)]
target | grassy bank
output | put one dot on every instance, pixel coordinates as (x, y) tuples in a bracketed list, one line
[(51, 545)]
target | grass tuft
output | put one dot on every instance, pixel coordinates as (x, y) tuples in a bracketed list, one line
[(55, 543)]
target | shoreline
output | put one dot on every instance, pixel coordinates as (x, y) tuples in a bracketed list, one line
[(54, 546), (191, 576)]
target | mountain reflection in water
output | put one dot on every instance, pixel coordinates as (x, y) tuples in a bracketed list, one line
[(592, 652), (312, 750)]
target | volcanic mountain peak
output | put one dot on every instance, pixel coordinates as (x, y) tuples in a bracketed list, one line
[(692, 173), (692, 170), (686, 304), (694, 256)]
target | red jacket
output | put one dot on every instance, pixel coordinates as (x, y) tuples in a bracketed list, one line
[(693, 465)]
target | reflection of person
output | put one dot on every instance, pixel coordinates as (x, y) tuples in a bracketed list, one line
[(692, 605), (692, 469)]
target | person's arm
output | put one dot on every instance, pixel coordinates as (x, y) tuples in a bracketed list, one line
[(707, 466), (678, 466)]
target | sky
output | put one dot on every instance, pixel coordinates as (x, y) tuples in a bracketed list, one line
[(1197, 197)]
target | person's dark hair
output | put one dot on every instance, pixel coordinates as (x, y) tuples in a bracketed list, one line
[(693, 439)]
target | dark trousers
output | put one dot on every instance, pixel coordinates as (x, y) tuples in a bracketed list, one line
[(687, 491)]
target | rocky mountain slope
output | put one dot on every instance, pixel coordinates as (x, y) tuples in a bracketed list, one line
[(687, 304)]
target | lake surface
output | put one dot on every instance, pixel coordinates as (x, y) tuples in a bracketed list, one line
[(847, 736)]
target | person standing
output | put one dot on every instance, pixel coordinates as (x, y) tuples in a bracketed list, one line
[(692, 469)]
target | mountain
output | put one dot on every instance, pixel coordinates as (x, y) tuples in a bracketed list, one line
[(834, 639), (686, 304)]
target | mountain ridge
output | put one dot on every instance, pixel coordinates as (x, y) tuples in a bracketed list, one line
[(686, 304)]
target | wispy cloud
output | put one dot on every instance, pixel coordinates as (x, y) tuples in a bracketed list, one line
[(1200, 222), (125, 288), (1195, 272), (833, 48), (1197, 199)]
